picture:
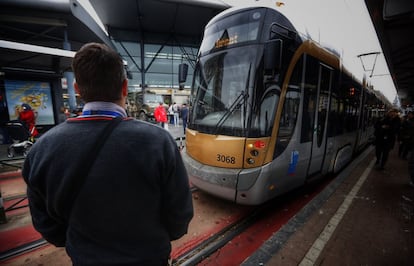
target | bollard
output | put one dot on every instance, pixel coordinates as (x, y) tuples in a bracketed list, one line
[(3, 218)]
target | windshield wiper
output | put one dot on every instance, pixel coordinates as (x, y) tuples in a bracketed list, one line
[(236, 104), (242, 96)]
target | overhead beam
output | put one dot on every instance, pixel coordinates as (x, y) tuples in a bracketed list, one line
[(35, 49)]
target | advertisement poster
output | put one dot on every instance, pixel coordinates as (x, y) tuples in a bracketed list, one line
[(35, 93)]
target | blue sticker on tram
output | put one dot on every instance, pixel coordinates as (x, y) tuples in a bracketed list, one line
[(293, 162)]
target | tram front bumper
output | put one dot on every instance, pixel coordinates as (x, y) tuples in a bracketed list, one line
[(221, 182)]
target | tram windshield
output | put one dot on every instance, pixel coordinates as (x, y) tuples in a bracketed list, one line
[(229, 96), (221, 85), (224, 92)]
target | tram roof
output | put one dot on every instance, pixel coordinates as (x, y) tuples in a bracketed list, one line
[(32, 34), (394, 22)]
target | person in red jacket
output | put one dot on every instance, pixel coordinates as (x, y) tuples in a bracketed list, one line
[(160, 115), (28, 117)]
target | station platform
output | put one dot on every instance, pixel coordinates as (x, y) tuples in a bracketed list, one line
[(365, 216)]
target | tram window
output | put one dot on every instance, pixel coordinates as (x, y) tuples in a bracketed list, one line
[(309, 99), (231, 31), (267, 111), (332, 118), (325, 84), (333, 123), (349, 93), (290, 111)]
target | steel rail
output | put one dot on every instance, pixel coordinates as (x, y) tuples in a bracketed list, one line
[(9, 162), (22, 249), (217, 241)]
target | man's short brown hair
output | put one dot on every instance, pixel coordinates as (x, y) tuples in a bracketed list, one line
[(99, 73)]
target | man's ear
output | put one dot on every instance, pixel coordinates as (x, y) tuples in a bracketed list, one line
[(125, 88)]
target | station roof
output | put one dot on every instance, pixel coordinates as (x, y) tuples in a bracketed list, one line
[(394, 23), (32, 34), (185, 19), (44, 23), (180, 21)]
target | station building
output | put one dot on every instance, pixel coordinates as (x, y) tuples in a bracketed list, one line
[(38, 40)]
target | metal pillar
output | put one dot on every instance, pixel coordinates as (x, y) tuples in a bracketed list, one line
[(69, 76)]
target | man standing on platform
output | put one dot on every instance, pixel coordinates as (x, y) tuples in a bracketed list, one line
[(386, 130), (410, 145), (176, 110), (184, 116), (113, 190)]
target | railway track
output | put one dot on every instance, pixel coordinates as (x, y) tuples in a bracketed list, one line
[(293, 202), (22, 249), (218, 240), (11, 163), (272, 210), (17, 200)]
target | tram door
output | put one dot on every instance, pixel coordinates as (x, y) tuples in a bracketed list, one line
[(320, 119)]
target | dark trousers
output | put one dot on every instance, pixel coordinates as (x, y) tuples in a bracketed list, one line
[(184, 125), (382, 150), (411, 164), (403, 150)]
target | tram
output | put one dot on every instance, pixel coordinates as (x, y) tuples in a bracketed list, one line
[(271, 109)]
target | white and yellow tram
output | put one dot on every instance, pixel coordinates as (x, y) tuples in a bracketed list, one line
[(270, 109)]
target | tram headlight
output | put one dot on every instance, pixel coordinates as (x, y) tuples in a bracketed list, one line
[(250, 160), (255, 152)]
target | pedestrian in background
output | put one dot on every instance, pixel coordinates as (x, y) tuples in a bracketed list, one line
[(176, 110), (409, 145), (112, 190), (160, 115), (170, 114), (28, 117), (386, 130), (184, 116), (62, 115), (406, 135)]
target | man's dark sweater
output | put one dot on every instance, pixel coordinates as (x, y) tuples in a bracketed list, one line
[(134, 201)]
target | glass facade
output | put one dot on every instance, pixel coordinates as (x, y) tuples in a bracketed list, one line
[(159, 66), (153, 68)]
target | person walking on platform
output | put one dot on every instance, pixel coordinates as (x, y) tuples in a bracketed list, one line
[(406, 135), (170, 114), (113, 190), (176, 110), (409, 145), (184, 115), (386, 130)]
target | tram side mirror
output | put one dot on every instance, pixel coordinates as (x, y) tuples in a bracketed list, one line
[(273, 56), (182, 75)]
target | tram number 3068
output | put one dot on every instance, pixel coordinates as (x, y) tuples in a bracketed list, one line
[(226, 159)]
